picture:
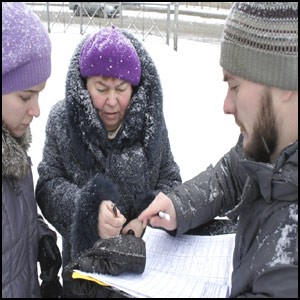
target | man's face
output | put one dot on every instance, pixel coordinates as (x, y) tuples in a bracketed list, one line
[(251, 105)]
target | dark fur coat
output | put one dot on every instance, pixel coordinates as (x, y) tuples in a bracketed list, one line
[(81, 166)]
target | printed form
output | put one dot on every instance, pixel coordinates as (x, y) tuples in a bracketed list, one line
[(179, 267)]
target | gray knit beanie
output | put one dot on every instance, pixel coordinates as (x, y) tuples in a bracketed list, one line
[(260, 43)]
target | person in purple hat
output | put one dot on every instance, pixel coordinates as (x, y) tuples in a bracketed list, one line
[(26, 239), (107, 151)]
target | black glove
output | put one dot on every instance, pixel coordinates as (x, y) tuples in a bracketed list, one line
[(124, 253), (50, 263), (51, 289)]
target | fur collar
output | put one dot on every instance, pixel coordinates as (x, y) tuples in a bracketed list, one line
[(15, 162)]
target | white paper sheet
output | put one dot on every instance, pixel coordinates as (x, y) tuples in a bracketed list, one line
[(179, 267)]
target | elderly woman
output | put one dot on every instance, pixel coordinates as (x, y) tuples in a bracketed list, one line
[(106, 143)]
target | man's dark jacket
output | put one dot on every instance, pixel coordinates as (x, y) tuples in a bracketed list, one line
[(264, 198)]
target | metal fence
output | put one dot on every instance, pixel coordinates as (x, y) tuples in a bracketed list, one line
[(142, 18), (134, 16)]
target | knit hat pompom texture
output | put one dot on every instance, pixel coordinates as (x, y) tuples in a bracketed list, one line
[(26, 48), (109, 53), (260, 43)]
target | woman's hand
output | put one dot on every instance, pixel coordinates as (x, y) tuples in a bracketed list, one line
[(110, 220), (136, 226)]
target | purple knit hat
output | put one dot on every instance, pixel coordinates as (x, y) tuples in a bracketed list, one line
[(26, 48), (109, 53)]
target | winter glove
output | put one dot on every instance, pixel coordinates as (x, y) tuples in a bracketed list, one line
[(51, 289), (124, 253), (50, 263)]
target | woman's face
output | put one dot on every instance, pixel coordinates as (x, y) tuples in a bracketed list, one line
[(110, 97), (19, 108)]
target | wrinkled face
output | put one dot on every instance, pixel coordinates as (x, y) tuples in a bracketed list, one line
[(110, 97), (251, 105), (19, 108)]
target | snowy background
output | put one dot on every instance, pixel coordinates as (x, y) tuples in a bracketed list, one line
[(194, 91)]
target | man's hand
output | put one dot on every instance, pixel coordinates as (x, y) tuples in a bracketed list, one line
[(161, 203)]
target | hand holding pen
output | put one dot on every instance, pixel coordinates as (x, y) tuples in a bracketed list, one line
[(164, 215), (160, 213), (115, 212), (134, 227), (110, 220)]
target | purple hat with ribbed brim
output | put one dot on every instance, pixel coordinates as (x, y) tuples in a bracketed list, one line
[(109, 53), (26, 48)]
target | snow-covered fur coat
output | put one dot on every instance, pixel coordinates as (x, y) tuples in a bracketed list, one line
[(21, 226), (264, 197), (81, 166)]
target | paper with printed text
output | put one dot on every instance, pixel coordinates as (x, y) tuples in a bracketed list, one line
[(179, 267)]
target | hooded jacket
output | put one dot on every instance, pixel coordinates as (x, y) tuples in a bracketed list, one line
[(22, 227), (81, 166), (264, 197)]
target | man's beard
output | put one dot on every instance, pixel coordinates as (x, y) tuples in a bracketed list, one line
[(265, 132)]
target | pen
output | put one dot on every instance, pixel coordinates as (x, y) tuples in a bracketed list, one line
[(164, 216), (114, 208)]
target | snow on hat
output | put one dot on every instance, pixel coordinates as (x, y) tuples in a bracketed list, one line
[(26, 48), (109, 53), (260, 43)]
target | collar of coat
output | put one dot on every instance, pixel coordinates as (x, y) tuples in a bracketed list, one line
[(15, 162), (278, 181), (274, 182)]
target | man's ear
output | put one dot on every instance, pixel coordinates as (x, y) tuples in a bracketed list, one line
[(283, 95), (286, 95)]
